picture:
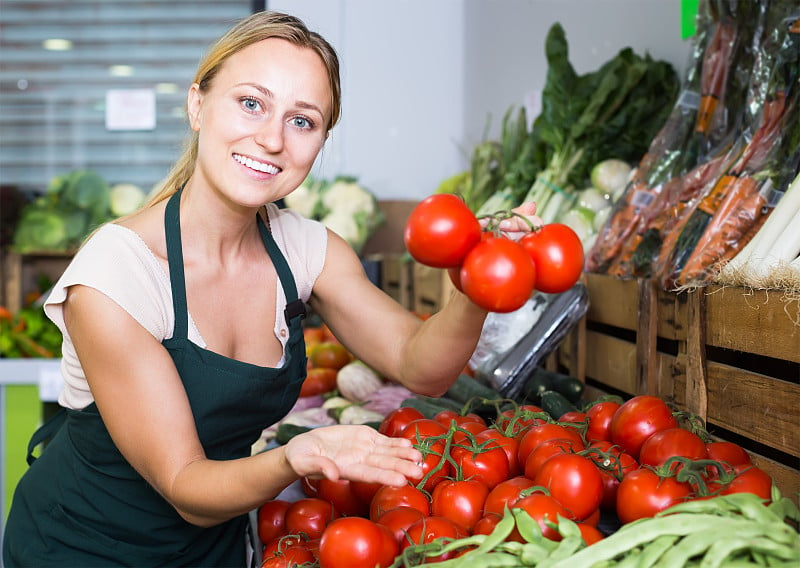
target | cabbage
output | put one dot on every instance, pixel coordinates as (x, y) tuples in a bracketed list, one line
[(126, 198)]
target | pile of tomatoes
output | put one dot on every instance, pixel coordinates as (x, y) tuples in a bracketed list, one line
[(625, 460), (497, 273)]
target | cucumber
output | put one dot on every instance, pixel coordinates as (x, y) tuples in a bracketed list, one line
[(425, 405), (556, 404), (543, 380), (286, 432), (467, 388)]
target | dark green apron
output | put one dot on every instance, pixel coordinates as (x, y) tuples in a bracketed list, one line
[(82, 504)]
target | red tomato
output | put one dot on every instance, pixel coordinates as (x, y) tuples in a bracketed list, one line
[(488, 464), (434, 466), (309, 486), (467, 433), (418, 430), (272, 519), (291, 557), (574, 482), (590, 534), (278, 546), (505, 493), (535, 435), (498, 275), (309, 516), (642, 494), (394, 422), (365, 490), (612, 469), (319, 380), (750, 479), (557, 253), (542, 507), (599, 418), (728, 454), (638, 419), (446, 416), (356, 542), (572, 417), (487, 523), (431, 528), (340, 493), (441, 230), (398, 520), (461, 501), (593, 519), (544, 452), (388, 497), (509, 445), (671, 442)]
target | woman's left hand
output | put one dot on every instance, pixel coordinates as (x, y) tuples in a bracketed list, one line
[(357, 453), (514, 226)]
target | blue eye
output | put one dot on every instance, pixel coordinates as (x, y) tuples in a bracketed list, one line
[(302, 122), (250, 104)]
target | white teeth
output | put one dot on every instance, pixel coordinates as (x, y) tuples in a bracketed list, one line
[(258, 166)]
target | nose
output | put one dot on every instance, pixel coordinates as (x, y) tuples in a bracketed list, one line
[(270, 134)]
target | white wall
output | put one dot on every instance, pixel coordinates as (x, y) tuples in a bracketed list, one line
[(420, 77)]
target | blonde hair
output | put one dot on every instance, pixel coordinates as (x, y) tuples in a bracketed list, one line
[(255, 28)]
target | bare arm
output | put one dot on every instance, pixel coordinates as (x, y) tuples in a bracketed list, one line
[(426, 357), (145, 408)]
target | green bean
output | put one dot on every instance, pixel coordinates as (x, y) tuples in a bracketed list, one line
[(565, 549), (653, 551), (533, 553), (636, 534), (695, 545), (499, 534), (481, 560), (719, 551), (527, 526)]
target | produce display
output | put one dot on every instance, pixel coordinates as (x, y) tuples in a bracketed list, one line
[(29, 333), (549, 479)]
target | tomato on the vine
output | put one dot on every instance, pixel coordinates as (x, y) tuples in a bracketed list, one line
[(573, 481), (435, 467), (505, 493), (544, 451), (750, 479), (388, 497), (461, 501), (399, 519), (272, 519), (643, 493), (509, 445), (535, 435), (429, 529), (356, 542), (441, 230), (613, 464), (671, 442), (542, 508), (487, 463), (557, 252), (590, 534), (290, 557), (394, 422), (341, 495), (498, 275), (599, 420), (638, 419), (728, 454), (309, 516)]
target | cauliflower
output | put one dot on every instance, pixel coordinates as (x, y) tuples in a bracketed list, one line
[(347, 195), (126, 198), (344, 224), (305, 199)]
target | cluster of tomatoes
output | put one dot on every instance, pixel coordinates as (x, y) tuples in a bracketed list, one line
[(631, 459), (494, 271)]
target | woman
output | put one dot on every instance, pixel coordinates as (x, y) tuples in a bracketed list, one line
[(182, 334)]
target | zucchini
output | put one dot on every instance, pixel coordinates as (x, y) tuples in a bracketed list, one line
[(286, 432), (556, 404)]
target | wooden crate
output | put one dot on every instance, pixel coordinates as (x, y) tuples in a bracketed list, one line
[(20, 274), (731, 356)]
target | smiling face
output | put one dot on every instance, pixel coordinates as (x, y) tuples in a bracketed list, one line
[(261, 122)]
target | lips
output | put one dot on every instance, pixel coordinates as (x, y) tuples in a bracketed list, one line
[(256, 165)]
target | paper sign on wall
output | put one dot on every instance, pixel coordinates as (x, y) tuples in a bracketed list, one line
[(130, 109)]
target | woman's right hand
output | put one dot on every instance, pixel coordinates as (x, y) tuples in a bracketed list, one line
[(357, 453)]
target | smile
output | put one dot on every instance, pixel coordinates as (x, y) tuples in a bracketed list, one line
[(255, 165)]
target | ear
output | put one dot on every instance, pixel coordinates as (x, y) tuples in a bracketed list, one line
[(194, 103)]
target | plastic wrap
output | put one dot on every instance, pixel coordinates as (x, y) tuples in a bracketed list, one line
[(561, 314)]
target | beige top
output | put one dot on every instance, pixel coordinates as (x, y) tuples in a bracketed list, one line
[(117, 262)]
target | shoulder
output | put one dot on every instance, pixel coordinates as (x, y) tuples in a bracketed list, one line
[(303, 241), (118, 263)]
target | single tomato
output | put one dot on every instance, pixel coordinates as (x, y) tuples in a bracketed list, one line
[(557, 253), (498, 275), (356, 542), (441, 230), (637, 419)]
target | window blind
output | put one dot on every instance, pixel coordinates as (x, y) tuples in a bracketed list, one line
[(54, 115)]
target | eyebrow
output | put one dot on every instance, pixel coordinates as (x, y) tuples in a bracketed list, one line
[(267, 93)]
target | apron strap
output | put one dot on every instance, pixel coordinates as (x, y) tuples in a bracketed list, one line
[(295, 308), (46, 432), (172, 229)]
